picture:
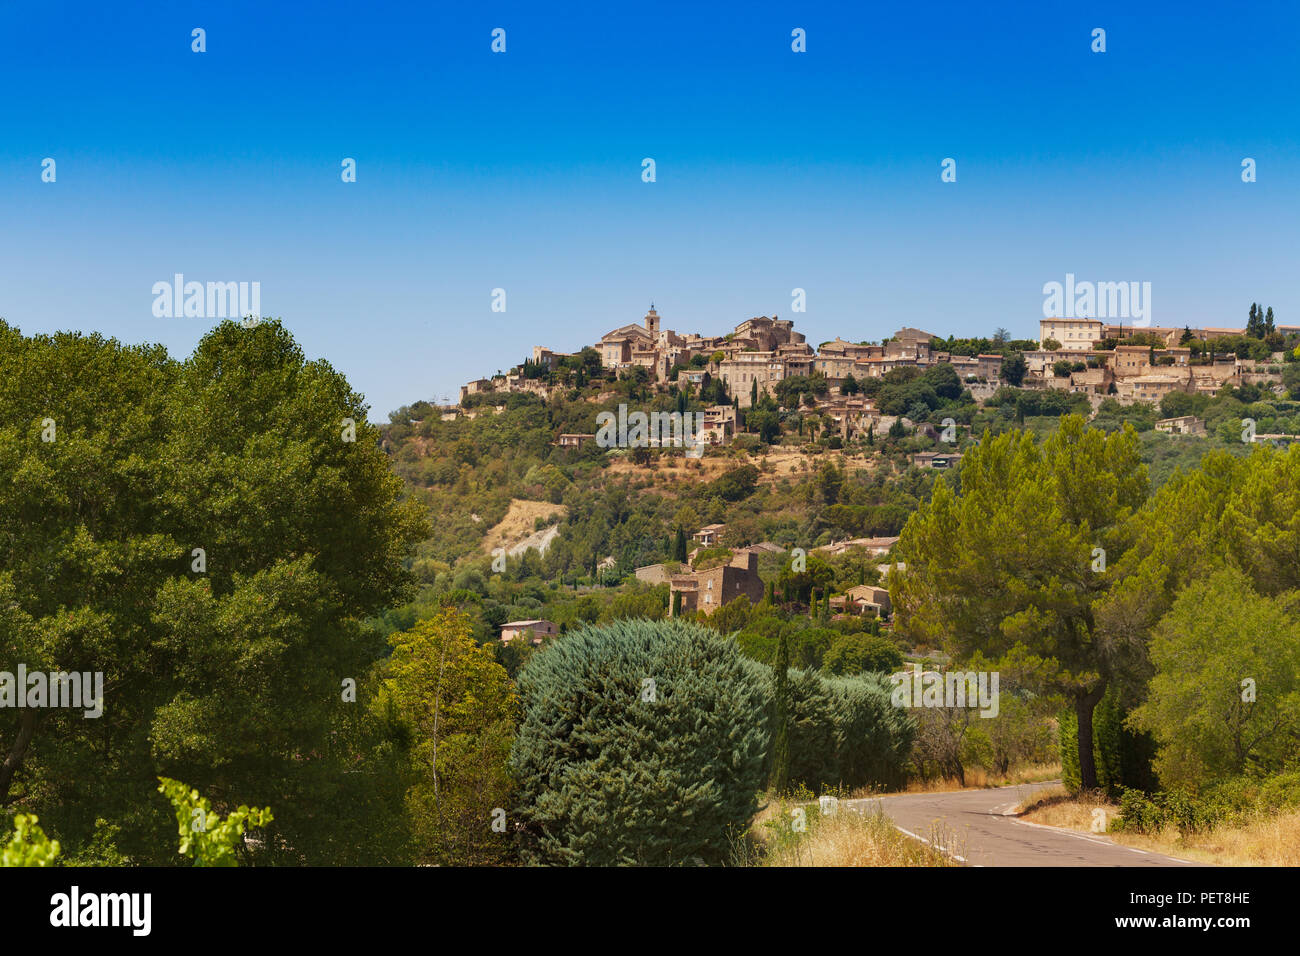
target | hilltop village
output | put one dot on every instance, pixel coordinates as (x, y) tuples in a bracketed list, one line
[(777, 413), (1085, 356)]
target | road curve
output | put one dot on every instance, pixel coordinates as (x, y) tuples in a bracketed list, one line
[(975, 827)]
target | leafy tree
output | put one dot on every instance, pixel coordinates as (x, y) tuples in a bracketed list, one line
[(764, 423), (28, 845), (799, 585), (1229, 512), (1006, 567), (856, 653), (206, 837), (735, 485), (242, 451), (1225, 696), (461, 710), (944, 380), (1178, 404)]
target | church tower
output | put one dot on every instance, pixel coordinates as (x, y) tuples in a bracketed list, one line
[(652, 322)]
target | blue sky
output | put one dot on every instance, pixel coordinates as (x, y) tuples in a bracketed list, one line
[(522, 170)]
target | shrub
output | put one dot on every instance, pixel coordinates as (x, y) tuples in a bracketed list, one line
[(844, 731), (854, 654), (1179, 808), (641, 743)]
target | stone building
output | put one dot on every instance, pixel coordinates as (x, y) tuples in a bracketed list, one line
[(711, 588)]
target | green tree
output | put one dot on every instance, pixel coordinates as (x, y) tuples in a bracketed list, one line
[(679, 546), (205, 836), (1009, 567), (1225, 696), (200, 532), (765, 423), (779, 748), (641, 743), (858, 653), (459, 705), (28, 845)]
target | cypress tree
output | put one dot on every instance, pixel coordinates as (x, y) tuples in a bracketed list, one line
[(779, 749), (679, 550)]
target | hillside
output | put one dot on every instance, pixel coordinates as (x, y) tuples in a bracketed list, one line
[(578, 521)]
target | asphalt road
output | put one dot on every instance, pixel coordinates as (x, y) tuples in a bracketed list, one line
[(975, 828)]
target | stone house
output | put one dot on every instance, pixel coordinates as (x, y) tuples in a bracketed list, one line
[(1182, 425), (864, 598), (533, 630), (709, 589), (709, 535)]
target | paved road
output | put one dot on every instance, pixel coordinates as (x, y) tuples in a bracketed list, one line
[(974, 826)]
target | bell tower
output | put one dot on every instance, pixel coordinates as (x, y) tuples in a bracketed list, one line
[(652, 322)]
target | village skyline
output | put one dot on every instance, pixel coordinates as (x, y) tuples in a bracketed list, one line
[(904, 168)]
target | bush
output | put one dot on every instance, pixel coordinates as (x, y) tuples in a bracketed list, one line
[(1179, 808), (844, 732), (854, 654), (641, 743)]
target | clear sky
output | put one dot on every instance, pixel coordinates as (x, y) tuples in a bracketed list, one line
[(522, 170)]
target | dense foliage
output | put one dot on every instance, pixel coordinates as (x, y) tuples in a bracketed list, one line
[(211, 536), (640, 742)]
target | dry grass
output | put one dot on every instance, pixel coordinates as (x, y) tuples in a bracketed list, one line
[(978, 779), (843, 838), (519, 522), (775, 465), (1265, 841)]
